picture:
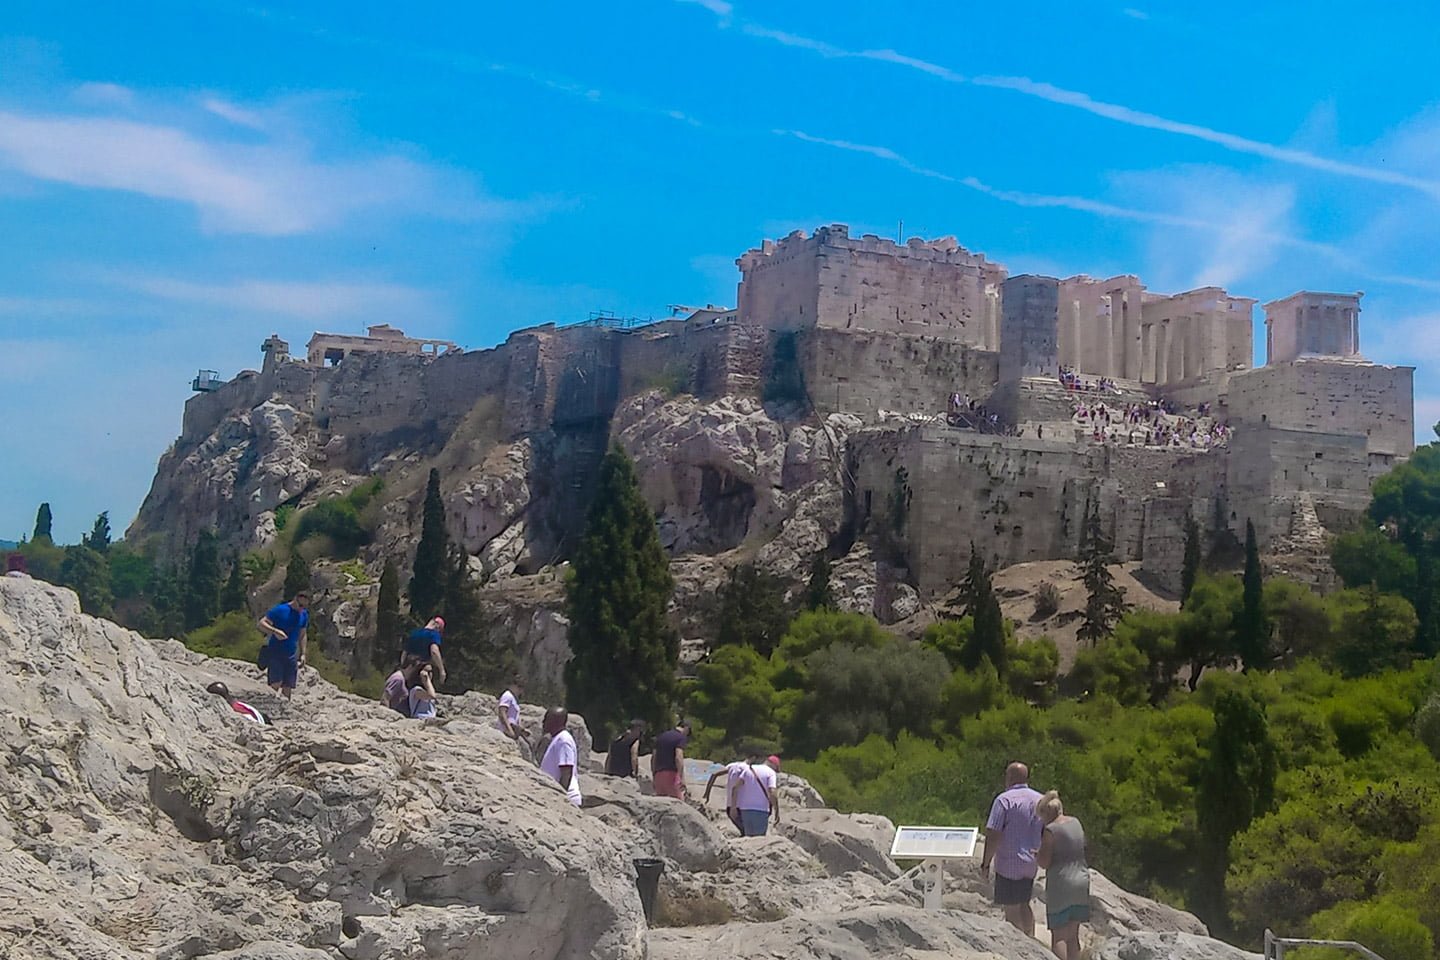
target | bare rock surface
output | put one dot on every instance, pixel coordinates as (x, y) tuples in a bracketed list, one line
[(140, 816), (1150, 945)]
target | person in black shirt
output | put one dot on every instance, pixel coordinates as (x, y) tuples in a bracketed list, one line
[(667, 763), (624, 758)]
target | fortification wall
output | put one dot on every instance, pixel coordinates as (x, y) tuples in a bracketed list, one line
[(863, 373), (780, 283), (1331, 396), (708, 359), (1270, 466), (1023, 499)]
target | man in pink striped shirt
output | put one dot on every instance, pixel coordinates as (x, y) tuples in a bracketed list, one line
[(1012, 836)]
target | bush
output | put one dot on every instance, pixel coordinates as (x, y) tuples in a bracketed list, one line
[(691, 910), (339, 519), (1047, 600), (1392, 931)]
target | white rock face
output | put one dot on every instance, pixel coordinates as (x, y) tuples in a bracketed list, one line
[(140, 816)]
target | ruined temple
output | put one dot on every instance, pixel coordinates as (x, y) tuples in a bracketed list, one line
[(953, 403)]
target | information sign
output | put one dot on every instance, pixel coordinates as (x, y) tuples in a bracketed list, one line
[(925, 843)]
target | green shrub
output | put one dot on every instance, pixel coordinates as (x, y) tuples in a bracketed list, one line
[(1393, 931)]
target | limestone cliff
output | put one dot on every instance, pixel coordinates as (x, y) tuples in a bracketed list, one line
[(141, 817)]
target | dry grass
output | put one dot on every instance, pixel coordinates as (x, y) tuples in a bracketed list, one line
[(691, 910)]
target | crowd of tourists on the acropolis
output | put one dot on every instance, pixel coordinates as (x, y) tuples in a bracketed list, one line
[(1150, 424), (1071, 380)]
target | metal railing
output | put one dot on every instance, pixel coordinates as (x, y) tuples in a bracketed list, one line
[(1275, 947)]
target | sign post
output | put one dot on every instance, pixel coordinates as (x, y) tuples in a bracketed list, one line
[(933, 846)]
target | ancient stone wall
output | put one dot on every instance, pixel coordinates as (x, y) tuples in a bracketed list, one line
[(705, 358), (1269, 467), (863, 373), (1331, 396), (1028, 327), (1021, 499), (922, 288)]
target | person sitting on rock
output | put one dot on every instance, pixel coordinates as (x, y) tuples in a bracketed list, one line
[(750, 798), (1067, 876), (424, 644), (561, 760), (239, 706), (508, 710), (285, 624), (667, 763), (623, 760), (396, 694), (422, 695)]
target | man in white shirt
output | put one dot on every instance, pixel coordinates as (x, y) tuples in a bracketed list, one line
[(561, 761), (508, 711), (750, 797)]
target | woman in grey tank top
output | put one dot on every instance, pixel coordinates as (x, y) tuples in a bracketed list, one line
[(1067, 876)]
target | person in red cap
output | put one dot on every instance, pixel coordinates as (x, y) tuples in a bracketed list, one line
[(424, 644), (750, 796)]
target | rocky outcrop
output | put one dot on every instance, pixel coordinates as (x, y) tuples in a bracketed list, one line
[(141, 817)]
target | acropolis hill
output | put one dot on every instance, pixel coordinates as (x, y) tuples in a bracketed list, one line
[(886, 403)]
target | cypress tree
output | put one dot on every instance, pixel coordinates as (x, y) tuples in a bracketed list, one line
[(1104, 602), (42, 524), (388, 623), (1236, 785), (1252, 634), (818, 593), (297, 575), (980, 603), (1191, 568), (473, 658), (233, 595), (202, 582), (99, 537), (427, 582), (86, 572), (751, 610), (624, 650)]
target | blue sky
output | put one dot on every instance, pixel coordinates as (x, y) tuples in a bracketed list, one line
[(179, 180)]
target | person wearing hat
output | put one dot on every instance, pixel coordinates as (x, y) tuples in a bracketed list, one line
[(750, 797), (424, 644)]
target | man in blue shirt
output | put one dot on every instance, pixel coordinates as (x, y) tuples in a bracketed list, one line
[(285, 625), (424, 644)]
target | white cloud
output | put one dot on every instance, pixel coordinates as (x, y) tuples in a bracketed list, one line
[(718, 7), (1110, 111), (274, 187), (105, 95), (234, 113)]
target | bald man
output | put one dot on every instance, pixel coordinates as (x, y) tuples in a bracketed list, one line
[(561, 761), (1012, 837)]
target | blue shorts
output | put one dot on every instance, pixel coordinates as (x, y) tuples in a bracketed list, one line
[(282, 671), (754, 823)]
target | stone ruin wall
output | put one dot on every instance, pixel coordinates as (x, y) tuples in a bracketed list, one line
[(864, 373), (1023, 499), (922, 288), (1332, 396)]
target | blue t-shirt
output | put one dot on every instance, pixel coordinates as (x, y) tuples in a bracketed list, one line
[(292, 621), (419, 642)]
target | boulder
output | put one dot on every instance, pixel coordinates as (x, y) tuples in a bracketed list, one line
[(843, 842), (662, 827)]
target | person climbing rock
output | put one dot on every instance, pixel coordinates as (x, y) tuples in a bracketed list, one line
[(508, 710), (667, 763), (396, 694), (1067, 876), (422, 695), (284, 624), (1012, 836), (424, 644), (750, 798), (239, 706), (561, 761), (623, 760)]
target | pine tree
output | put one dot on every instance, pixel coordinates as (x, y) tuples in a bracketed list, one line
[(99, 537), (1252, 633), (751, 610), (1191, 568), (1236, 785), (233, 595), (42, 524), (818, 593), (297, 576), (202, 582), (427, 582), (388, 622), (624, 650), (86, 572), (1104, 602)]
